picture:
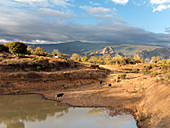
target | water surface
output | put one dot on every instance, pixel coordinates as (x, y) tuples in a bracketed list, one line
[(30, 111)]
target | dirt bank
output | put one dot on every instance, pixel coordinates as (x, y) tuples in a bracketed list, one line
[(146, 97)]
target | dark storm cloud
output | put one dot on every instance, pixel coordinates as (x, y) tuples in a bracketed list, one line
[(30, 26)]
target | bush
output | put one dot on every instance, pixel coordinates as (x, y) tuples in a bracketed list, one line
[(146, 70), (84, 58), (94, 66), (135, 70), (122, 76), (96, 59), (38, 68), (38, 51), (75, 57), (127, 60), (154, 74), (3, 48), (18, 48), (143, 117), (155, 59)]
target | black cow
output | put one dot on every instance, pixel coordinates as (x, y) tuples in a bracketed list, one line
[(109, 85), (59, 95), (101, 82)]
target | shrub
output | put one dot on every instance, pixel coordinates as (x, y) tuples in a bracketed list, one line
[(145, 70), (57, 53), (122, 76), (18, 48), (94, 66), (135, 70), (38, 51), (75, 57), (154, 74), (63, 86), (118, 59), (136, 59), (127, 60), (1, 58), (155, 59), (3, 48), (96, 59), (143, 117), (84, 58), (38, 68)]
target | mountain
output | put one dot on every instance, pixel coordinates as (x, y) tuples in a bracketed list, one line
[(163, 53), (89, 49), (107, 50)]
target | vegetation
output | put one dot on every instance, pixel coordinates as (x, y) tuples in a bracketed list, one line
[(122, 76), (154, 74), (85, 48), (18, 48), (57, 53), (38, 51), (3, 48), (40, 60), (155, 59), (84, 59), (75, 57)]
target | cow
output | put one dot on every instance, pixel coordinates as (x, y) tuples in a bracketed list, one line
[(109, 85), (59, 95)]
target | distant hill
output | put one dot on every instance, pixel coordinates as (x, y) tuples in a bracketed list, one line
[(89, 49), (163, 53)]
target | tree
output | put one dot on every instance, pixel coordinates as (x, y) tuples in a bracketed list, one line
[(107, 59), (57, 53), (155, 59), (118, 59), (38, 51), (3, 48), (76, 57), (18, 48), (84, 58)]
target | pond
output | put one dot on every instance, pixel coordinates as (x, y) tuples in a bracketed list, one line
[(31, 111)]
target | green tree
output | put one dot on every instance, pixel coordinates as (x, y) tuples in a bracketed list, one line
[(38, 51), (84, 58), (107, 59), (127, 60), (57, 53), (3, 48), (18, 48), (76, 57), (118, 59), (155, 59), (96, 59)]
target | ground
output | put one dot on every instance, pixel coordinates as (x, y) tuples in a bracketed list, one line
[(146, 97)]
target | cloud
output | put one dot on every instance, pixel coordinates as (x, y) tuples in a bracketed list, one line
[(160, 5), (159, 1), (39, 30), (34, 26), (62, 3), (167, 29), (59, 14), (99, 12), (94, 3), (121, 1)]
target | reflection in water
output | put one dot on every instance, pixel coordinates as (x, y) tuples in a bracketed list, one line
[(30, 111), (18, 108)]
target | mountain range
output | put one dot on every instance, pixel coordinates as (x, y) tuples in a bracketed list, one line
[(91, 49)]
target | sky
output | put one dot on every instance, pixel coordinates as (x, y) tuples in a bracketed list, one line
[(58, 21)]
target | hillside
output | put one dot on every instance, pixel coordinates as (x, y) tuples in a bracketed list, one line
[(84, 48), (164, 53)]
